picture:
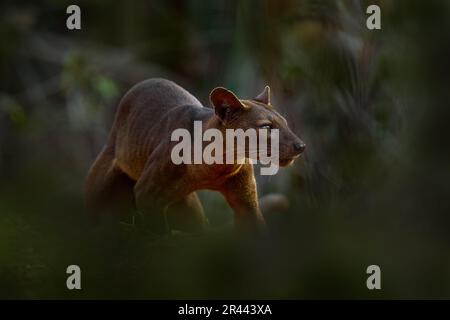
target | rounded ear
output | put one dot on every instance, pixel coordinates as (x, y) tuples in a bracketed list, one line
[(223, 100), (264, 96)]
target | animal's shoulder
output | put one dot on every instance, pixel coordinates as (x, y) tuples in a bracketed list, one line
[(185, 115)]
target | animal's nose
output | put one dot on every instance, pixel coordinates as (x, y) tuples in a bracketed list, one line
[(299, 146)]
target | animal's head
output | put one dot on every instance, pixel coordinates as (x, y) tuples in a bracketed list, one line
[(257, 113)]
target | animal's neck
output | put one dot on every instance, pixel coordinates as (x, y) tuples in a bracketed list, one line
[(211, 121)]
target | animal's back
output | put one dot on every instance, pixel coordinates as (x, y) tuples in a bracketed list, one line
[(141, 117), (150, 100)]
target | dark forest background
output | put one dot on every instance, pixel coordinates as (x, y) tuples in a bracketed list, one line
[(372, 188)]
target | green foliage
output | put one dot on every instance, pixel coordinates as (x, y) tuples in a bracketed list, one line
[(13, 109)]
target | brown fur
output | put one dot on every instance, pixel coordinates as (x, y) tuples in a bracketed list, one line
[(134, 171)]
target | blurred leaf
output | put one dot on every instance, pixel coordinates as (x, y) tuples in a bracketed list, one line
[(14, 110), (106, 87)]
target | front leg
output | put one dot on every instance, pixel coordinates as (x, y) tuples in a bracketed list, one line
[(155, 190), (242, 196), (187, 214), (151, 208)]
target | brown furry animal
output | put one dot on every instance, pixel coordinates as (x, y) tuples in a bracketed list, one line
[(134, 170)]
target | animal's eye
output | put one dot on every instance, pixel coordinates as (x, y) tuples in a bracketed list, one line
[(267, 126)]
